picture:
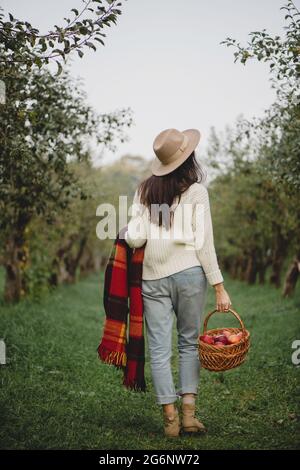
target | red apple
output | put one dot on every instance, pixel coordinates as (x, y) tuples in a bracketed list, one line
[(218, 344), (221, 339), (207, 339), (233, 339), (226, 333)]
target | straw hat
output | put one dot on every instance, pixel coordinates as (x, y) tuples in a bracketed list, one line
[(172, 148)]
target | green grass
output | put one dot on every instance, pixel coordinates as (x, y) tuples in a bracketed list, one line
[(55, 393)]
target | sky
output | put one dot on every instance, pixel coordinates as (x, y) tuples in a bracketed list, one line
[(164, 60)]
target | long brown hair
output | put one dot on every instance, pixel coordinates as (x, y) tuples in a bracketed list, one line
[(157, 190)]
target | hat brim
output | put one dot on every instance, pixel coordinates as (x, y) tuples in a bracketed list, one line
[(159, 169)]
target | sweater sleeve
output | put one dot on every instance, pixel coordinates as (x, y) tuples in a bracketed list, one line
[(204, 238), (136, 234)]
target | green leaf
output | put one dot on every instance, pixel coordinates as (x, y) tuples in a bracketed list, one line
[(38, 62), (91, 45), (43, 43), (59, 68), (83, 30), (100, 40)]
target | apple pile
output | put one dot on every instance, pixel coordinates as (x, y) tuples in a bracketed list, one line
[(224, 338)]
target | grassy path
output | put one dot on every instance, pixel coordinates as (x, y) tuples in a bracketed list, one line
[(55, 393)]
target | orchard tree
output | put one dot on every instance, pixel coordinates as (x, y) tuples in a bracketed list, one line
[(45, 124), (24, 44), (72, 246), (256, 220), (80, 250), (278, 131), (280, 127)]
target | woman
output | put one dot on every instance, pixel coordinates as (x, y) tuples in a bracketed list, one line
[(179, 261)]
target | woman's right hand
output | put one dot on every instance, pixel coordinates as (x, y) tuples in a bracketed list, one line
[(223, 302)]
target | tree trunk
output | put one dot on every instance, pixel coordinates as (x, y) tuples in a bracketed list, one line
[(72, 262), (238, 268), (262, 266), (88, 262), (262, 273), (278, 257), (66, 263), (60, 274), (251, 271), (232, 267), (15, 258), (277, 264), (292, 277), (243, 268)]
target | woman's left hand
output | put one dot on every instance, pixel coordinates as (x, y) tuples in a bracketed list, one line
[(223, 302)]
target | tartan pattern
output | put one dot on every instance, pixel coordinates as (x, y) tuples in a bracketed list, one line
[(123, 305)]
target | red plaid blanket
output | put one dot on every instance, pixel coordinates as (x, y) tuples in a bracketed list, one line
[(123, 304)]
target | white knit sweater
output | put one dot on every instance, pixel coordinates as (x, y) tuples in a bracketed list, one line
[(189, 243)]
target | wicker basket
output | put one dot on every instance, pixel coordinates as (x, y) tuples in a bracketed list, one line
[(228, 356)]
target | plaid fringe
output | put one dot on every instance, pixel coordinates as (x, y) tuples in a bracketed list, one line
[(132, 385), (123, 305), (115, 358)]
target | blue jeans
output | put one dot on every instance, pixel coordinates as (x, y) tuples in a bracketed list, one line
[(182, 294)]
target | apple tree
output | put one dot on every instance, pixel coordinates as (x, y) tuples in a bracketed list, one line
[(24, 44), (44, 125), (278, 131)]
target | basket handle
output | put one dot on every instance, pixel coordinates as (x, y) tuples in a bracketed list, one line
[(229, 310)]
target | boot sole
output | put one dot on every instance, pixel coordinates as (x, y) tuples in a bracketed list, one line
[(193, 430)]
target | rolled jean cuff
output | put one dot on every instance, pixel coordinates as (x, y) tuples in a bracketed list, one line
[(166, 399), (191, 389)]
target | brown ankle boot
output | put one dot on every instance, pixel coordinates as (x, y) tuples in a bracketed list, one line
[(171, 423), (189, 422)]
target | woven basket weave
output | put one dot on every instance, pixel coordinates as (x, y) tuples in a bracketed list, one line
[(228, 356)]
